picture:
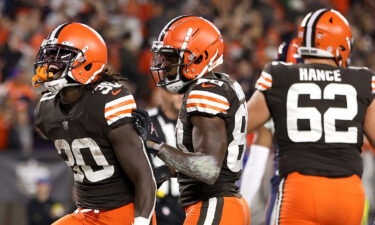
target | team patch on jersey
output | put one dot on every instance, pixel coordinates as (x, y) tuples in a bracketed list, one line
[(373, 84), (264, 82), (119, 108), (206, 102)]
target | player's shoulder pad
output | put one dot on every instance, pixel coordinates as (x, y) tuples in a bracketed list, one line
[(118, 102), (274, 65), (48, 96), (264, 81), (110, 88), (209, 96), (358, 67), (207, 83), (280, 63), (362, 70)]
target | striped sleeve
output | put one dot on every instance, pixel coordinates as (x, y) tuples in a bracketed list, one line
[(373, 85), (119, 108), (264, 82), (206, 102)]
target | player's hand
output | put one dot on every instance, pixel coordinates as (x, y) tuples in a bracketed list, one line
[(144, 127)]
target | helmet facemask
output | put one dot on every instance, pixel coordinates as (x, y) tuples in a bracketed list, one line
[(56, 62), (167, 66)]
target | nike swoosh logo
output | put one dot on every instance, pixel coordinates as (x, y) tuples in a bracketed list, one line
[(208, 85), (116, 92)]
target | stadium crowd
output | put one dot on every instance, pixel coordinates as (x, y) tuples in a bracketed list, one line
[(252, 31)]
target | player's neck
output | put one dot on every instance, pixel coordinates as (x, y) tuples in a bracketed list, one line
[(330, 62), (70, 94)]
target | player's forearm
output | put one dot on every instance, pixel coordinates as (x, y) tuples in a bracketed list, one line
[(144, 199), (200, 166)]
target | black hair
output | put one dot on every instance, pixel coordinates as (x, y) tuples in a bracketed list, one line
[(106, 76)]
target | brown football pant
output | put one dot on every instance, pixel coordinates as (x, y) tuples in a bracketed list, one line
[(218, 211), (123, 215), (315, 200)]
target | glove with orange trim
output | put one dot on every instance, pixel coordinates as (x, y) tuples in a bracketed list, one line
[(40, 76)]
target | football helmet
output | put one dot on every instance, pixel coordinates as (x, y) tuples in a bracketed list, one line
[(326, 33), (72, 54), (288, 52), (186, 49)]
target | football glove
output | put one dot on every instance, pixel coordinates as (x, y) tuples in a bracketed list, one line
[(145, 128), (161, 174)]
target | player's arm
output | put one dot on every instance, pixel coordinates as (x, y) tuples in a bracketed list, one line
[(130, 152), (369, 123), (256, 164), (257, 111), (209, 141)]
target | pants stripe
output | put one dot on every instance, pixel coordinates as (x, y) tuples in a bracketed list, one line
[(211, 210), (212, 202), (203, 213), (279, 200), (218, 211)]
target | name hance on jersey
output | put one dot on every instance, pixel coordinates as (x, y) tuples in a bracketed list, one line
[(311, 74)]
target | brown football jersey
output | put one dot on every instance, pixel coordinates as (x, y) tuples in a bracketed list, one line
[(318, 111), (223, 97), (80, 137)]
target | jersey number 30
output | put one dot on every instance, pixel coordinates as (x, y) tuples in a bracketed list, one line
[(76, 161), (329, 117)]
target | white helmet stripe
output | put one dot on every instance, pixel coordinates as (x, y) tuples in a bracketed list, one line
[(57, 31), (184, 44), (310, 27), (186, 39), (166, 27), (303, 24)]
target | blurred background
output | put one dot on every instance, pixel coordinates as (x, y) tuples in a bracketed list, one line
[(36, 186)]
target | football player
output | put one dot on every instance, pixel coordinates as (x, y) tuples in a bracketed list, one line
[(86, 113), (211, 126), (261, 148), (320, 109)]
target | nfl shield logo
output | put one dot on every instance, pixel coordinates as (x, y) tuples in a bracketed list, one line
[(65, 125)]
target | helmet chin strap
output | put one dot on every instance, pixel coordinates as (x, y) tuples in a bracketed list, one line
[(57, 85)]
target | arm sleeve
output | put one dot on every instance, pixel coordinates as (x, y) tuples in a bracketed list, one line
[(116, 105), (264, 82), (253, 172)]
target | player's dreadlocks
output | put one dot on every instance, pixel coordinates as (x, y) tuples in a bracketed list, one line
[(107, 76)]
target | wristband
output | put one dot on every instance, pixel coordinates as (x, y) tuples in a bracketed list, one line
[(253, 172), (141, 221)]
